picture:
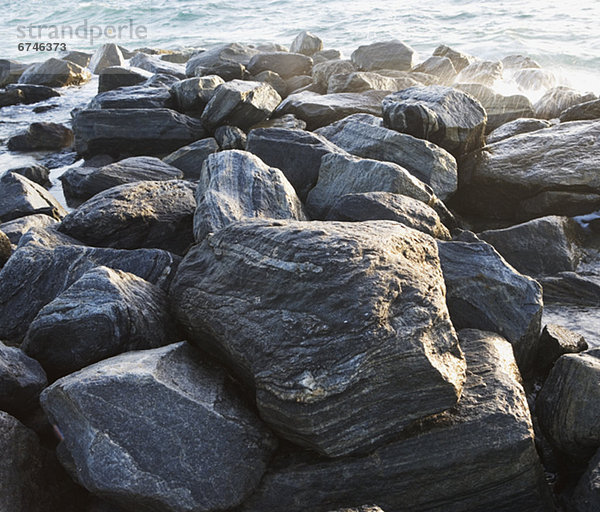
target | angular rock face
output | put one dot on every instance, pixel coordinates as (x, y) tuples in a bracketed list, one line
[(484, 292), (159, 430), (16, 228), (568, 406), (341, 174), (545, 172), (80, 58), (555, 100), (308, 358), (484, 72), (306, 43), (534, 79), (586, 497), (104, 313), (361, 135), (322, 72), (274, 80), (154, 65), (230, 137), (135, 96), (191, 157), (556, 341), (359, 81), (230, 53), (389, 206), (445, 116), (285, 64), (107, 55), (193, 94), (133, 131), (581, 112), (297, 153), (459, 60), (134, 215), (114, 77), (10, 71), (55, 73), (20, 197), (42, 136), (44, 266), (385, 55), (325, 55), (418, 471), (236, 185), (240, 103), (39, 174), (547, 245), (516, 127), (441, 67)]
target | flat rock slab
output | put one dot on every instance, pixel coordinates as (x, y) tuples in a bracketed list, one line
[(384, 55), (107, 55), (159, 430), (155, 65), (156, 214), (135, 96), (418, 471), (190, 158), (114, 77), (516, 127), (297, 335), (583, 111)]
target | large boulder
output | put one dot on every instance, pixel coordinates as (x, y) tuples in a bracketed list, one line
[(297, 153), (359, 81), (306, 43), (134, 96), (230, 137), (581, 112), (156, 65), (33, 93), (37, 173), (516, 127), (308, 360), (233, 53), (16, 228), (43, 135), (161, 429), (459, 60), (114, 77), (384, 55), (546, 172), (362, 135), (556, 341), (489, 436), (240, 103), (443, 115), (484, 72), (133, 131), (568, 405), (104, 313), (55, 73), (20, 197), (154, 214), (586, 497), (191, 157), (192, 94), (441, 67), (484, 292), (236, 185), (106, 56), (285, 64), (80, 58), (322, 72), (10, 71), (558, 99)]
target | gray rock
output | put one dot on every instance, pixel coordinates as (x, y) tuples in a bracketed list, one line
[(155, 214), (322, 72), (342, 174), (442, 67), (235, 53), (11, 97), (156, 65), (320, 110), (388, 206), (581, 112), (191, 157), (237, 185), (325, 55), (226, 70), (42, 136), (568, 405), (297, 153), (484, 292), (5, 248), (274, 80), (285, 64), (192, 94), (308, 361), (447, 117), (484, 72), (556, 341), (134, 96), (22, 379), (558, 99), (114, 77), (534, 79), (586, 497), (85, 182), (417, 472), (363, 508), (104, 313), (547, 245), (306, 43), (10, 71), (240, 103), (16, 228), (46, 264), (545, 172), (362, 135), (55, 73), (287, 121), (106, 56), (39, 174), (230, 137), (516, 127), (297, 82), (33, 93), (159, 430), (384, 55), (133, 131), (360, 81), (519, 62), (459, 60), (271, 47), (80, 58), (571, 288), (20, 197)]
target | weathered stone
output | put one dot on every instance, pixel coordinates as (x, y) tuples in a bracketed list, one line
[(287, 121), (484, 292), (534, 79), (308, 361), (547, 245), (297, 82), (240, 103), (389, 206), (12, 97), (133, 131), (33, 93), (516, 127), (363, 508), (285, 64), (418, 471), (362, 135), (106, 56), (318, 110), (556, 341), (571, 288), (237, 185), (325, 55), (322, 72), (558, 99), (230, 137), (104, 313), (16, 228), (385, 55), (359, 81), (441, 67), (159, 430), (80, 58), (583, 111), (85, 182), (297, 153), (20, 197), (484, 72), (227, 70), (5, 248), (39, 174), (42, 136), (46, 263), (191, 157), (586, 497), (114, 77), (193, 94), (154, 214), (568, 405), (155, 65), (134, 96), (274, 80), (272, 47), (459, 60), (545, 172), (447, 117), (235, 53), (55, 73), (10, 71), (306, 43), (519, 62)]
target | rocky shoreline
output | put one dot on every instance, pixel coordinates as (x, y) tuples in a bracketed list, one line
[(289, 281)]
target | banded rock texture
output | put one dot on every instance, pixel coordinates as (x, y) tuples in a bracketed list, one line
[(20, 197)]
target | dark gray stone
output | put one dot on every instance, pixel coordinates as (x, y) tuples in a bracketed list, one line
[(159, 430), (11, 97), (558, 99), (306, 43), (226, 70), (114, 77), (106, 56), (484, 72), (192, 94), (80, 58), (230, 137), (556, 341), (274, 80), (285, 64), (191, 157), (384, 55), (297, 82), (42, 136), (5, 248), (581, 112), (571, 288), (308, 360), (16, 228), (360, 81), (33, 93), (586, 497), (233, 53), (39, 174), (134, 96), (459, 60), (55, 73), (322, 72), (516, 127), (10, 71), (237, 185), (447, 117), (155, 214), (156, 65)]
